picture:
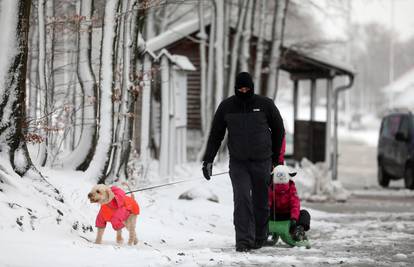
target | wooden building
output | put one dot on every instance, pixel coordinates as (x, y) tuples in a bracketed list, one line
[(180, 41)]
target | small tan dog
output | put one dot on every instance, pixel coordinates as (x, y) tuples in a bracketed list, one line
[(116, 208)]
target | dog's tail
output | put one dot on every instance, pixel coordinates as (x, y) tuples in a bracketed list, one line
[(129, 188)]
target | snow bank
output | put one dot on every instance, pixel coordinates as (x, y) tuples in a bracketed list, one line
[(400, 256), (314, 183), (199, 192), (31, 203)]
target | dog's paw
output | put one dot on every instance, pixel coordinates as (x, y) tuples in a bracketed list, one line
[(132, 241), (119, 241)]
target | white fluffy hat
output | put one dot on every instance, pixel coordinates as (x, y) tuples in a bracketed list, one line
[(282, 174)]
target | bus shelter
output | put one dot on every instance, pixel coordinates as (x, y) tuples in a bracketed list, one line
[(315, 140)]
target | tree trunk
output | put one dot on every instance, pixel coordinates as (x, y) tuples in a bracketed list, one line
[(136, 50), (165, 113), (14, 20), (81, 157), (120, 95), (274, 55), (42, 80), (164, 17), (51, 138), (145, 111), (245, 46), (210, 74), (228, 6), (100, 161), (203, 68), (259, 48), (128, 97), (235, 46), (33, 75), (149, 27), (219, 59), (209, 87), (282, 37)]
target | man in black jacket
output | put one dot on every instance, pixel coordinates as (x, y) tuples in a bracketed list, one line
[(255, 133)]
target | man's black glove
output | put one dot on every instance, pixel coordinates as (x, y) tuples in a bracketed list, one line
[(207, 170), (292, 226)]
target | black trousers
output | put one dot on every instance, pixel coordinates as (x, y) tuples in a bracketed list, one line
[(250, 180)]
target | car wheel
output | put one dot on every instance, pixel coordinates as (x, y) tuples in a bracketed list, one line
[(409, 178), (383, 177)]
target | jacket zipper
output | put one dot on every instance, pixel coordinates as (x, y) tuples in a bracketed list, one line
[(245, 130)]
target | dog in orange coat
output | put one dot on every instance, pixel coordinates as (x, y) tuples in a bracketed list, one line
[(118, 209)]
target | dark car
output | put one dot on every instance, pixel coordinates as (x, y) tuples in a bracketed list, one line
[(396, 149)]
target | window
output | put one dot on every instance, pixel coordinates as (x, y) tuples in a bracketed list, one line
[(384, 128), (412, 126), (405, 126), (390, 126)]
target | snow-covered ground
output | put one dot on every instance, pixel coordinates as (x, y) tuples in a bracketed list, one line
[(375, 227), (174, 232)]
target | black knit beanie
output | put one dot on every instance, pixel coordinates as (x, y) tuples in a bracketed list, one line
[(244, 79)]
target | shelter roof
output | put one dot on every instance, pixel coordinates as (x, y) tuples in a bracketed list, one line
[(304, 66)]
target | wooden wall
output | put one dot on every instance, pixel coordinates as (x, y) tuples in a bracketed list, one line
[(191, 50)]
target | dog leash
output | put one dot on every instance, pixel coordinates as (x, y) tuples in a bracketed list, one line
[(172, 183)]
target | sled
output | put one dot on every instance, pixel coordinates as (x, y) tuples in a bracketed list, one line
[(281, 229)]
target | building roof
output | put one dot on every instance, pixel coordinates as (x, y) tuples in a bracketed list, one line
[(299, 64), (182, 62), (304, 66), (176, 33)]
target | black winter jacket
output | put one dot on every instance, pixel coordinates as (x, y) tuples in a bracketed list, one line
[(255, 129)]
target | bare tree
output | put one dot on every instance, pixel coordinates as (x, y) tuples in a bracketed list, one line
[(274, 54), (203, 67), (42, 77), (260, 45), (118, 98), (33, 74), (228, 7), (210, 73), (127, 92), (137, 47), (14, 20), (100, 161), (245, 43), (219, 57), (81, 156), (236, 45), (282, 38), (118, 90)]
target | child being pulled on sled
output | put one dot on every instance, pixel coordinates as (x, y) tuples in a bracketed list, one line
[(284, 202)]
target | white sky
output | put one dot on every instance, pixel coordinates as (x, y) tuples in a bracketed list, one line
[(366, 11), (380, 11)]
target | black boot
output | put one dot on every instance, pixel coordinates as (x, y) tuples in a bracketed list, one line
[(299, 233), (242, 248), (258, 244)]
